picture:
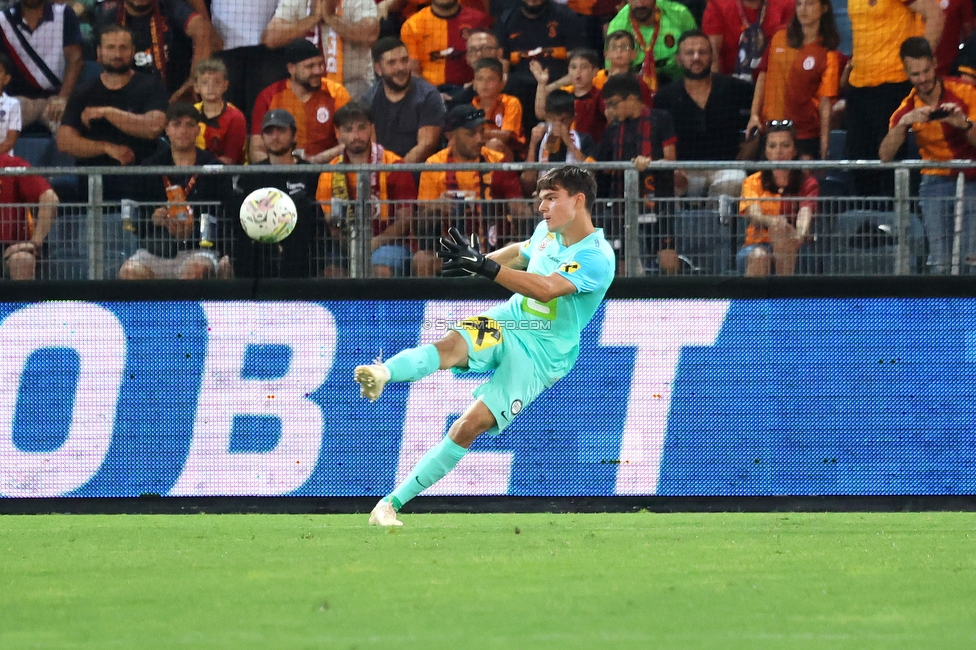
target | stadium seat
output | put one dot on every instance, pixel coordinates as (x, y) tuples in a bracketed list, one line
[(865, 242), (35, 150), (705, 240)]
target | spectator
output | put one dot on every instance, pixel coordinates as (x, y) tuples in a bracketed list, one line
[(584, 64), (393, 195), (344, 30), (470, 200), (223, 129), (408, 111), (503, 113), (941, 113), (959, 23), (10, 116), (44, 41), (710, 112), (739, 31), (299, 254), (620, 53), (656, 26), (21, 236), (172, 243), (116, 119), (310, 98), (777, 229), (555, 140), (480, 44), (435, 40), (798, 78), (168, 36), (641, 135), (877, 79), (252, 66), (542, 30)]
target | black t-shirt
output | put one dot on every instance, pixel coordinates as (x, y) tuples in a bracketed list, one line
[(205, 190), (177, 47), (557, 27), (643, 136), (712, 133), (290, 258), (397, 123)]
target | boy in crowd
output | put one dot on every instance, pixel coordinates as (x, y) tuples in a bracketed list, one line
[(555, 140), (10, 116), (620, 52), (223, 129), (584, 64), (502, 112)]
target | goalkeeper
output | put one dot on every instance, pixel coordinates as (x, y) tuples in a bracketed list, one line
[(559, 277)]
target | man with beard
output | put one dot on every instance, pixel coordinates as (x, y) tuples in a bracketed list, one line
[(656, 26), (941, 113), (168, 36), (116, 119), (541, 30), (292, 257), (44, 41), (408, 111), (309, 97), (393, 196), (710, 112), (435, 39)]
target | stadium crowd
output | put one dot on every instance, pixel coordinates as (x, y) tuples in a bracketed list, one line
[(294, 82)]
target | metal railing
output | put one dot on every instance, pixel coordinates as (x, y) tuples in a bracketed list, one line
[(855, 235)]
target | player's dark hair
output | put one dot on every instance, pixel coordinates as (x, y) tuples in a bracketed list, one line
[(179, 110), (586, 54), (384, 45), (114, 29), (621, 35), (622, 86), (491, 64), (692, 33), (829, 37), (7, 64), (915, 47), (560, 102), (352, 112), (575, 180)]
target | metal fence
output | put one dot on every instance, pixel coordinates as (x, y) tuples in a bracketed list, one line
[(95, 238)]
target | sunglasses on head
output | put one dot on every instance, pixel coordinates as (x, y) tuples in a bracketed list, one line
[(778, 125)]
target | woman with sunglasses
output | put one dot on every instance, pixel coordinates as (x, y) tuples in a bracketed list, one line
[(779, 205), (798, 77)]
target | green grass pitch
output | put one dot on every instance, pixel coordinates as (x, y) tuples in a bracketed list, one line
[(643, 580)]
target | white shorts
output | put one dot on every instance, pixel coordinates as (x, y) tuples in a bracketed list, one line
[(168, 268)]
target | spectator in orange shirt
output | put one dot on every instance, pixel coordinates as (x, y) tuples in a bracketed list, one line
[(503, 132), (484, 203), (584, 64), (223, 129), (798, 77), (310, 98), (481, 44), (620, 53), (739, 31), (393, 196), (777, 229), (435, 39)]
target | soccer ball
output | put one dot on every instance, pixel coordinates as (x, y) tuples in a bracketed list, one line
[(268, 215)]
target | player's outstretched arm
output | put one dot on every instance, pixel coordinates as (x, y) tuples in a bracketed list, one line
[(510, 256)]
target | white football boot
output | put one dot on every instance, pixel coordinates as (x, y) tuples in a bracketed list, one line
[(384, 515), (372, 379)]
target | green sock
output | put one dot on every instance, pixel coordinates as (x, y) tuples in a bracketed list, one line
[(414, 363), (434, 466)]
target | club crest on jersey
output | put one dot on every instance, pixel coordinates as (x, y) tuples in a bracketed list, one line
[(569, 267), (545, 242)]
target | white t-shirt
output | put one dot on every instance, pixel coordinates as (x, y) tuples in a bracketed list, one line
[(357, 64), (9, 115), (241, 22)]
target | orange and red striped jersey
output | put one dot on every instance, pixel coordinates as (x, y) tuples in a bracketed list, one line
[(937, 140), (878, 28), (16, 223), (439, 44), (313, 118), (225, 135), (505, 115), (752, 188), (796, 80)]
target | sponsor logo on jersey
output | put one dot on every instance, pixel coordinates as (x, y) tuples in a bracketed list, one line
[(569, 267)]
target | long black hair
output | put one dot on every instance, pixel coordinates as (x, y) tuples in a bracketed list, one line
[(829, 36), (796, 175)]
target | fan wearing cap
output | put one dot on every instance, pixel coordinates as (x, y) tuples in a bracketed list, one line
[(468, 200), (310, 98)]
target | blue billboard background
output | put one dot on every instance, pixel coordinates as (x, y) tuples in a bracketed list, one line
[(670, 397)]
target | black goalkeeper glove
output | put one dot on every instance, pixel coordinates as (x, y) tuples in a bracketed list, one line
[(462, 257)]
